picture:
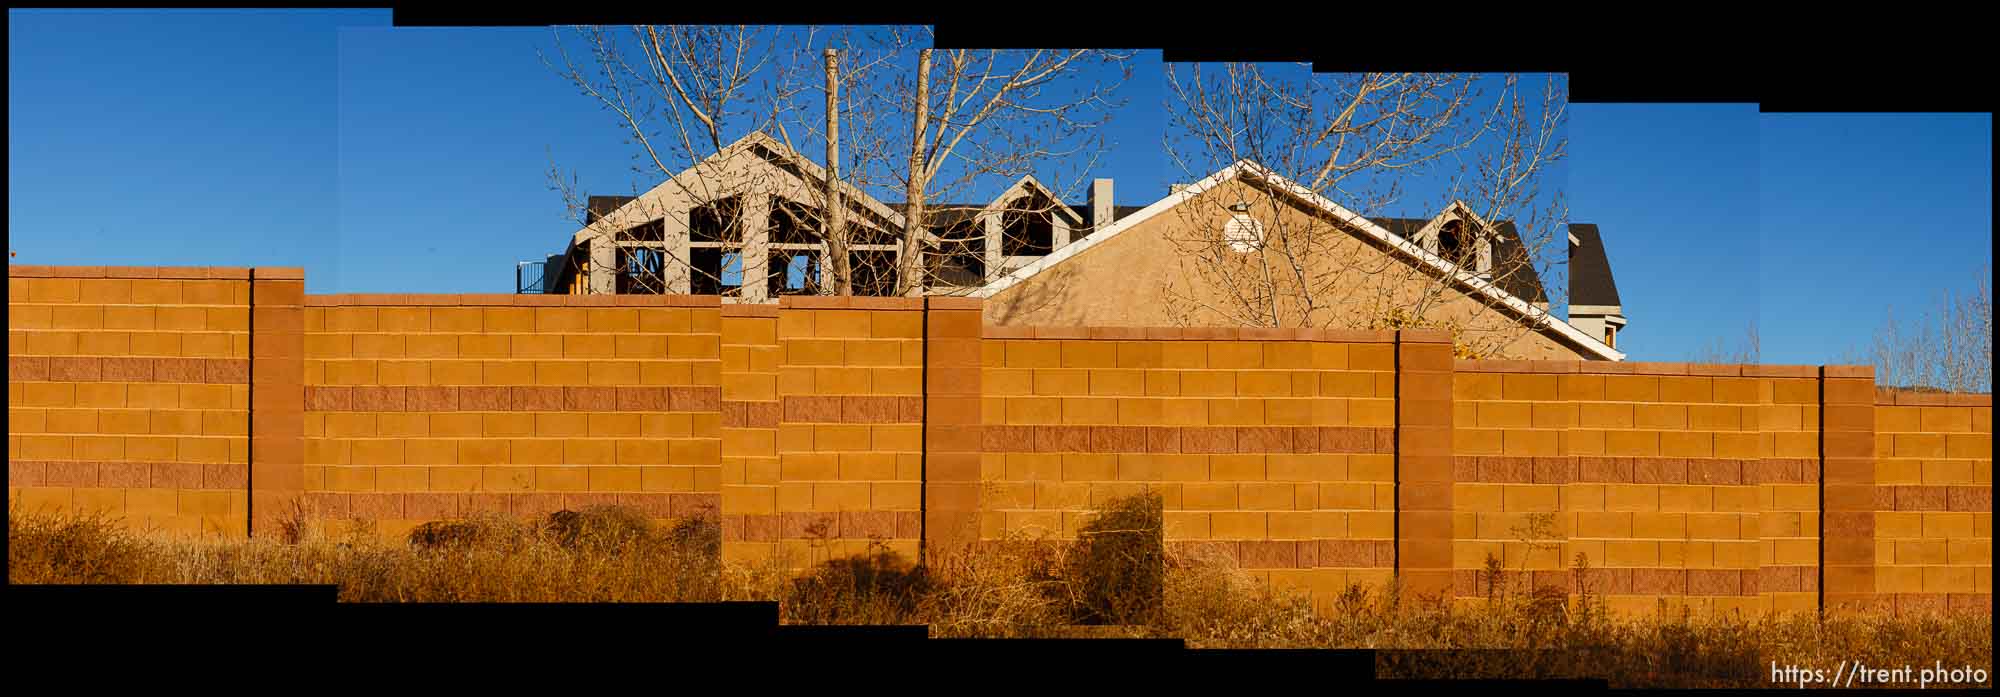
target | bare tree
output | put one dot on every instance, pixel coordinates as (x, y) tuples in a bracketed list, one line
[(835, 229), (683, 95), (1948, 347), (896, 116), (1745, 350), (1484, 146), (680, 94), (993, 115), (852, 129)]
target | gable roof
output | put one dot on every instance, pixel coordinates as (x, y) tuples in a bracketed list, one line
[(1522, 309), (1590, 281), (1021, 187), (945, 216), (762, 145)]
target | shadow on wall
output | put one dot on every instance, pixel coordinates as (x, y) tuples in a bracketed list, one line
[(1117, 565), (1037, 302)]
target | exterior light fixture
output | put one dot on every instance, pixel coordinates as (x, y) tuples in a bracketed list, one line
[(1243, 233)]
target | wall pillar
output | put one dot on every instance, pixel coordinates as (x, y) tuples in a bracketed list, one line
[(750, 416), (1424, 477), (277, 396), (1847, 487), (952, 434)]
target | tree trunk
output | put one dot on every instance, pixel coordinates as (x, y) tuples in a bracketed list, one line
[(836, 209), (909, 269)]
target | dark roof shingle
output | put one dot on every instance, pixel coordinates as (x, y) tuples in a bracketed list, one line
[(1590, 280)]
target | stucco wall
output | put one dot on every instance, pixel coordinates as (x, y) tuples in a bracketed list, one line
[(1145, 277)]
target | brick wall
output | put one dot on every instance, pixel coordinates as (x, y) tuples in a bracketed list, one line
[(751, 413), (850, 428), (1933, 507), (1269, 446), (127, 393), (419, 408), (1693, 484), (208, 399)]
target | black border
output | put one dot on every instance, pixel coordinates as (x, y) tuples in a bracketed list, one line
[(1806, 62), (1810, 60)]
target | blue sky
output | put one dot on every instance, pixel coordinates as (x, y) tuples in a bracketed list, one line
[(414, 160)]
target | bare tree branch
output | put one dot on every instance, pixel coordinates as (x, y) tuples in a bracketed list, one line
[(1362, 140), (1949, 347)]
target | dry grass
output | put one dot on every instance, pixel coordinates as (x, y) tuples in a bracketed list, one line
[(1011, 588), (1523, 635), (595, 555)]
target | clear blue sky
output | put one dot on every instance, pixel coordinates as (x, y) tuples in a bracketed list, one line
[(414, 160)]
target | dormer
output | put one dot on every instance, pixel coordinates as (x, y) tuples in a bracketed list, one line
[(1461, 237), (1026, 222)]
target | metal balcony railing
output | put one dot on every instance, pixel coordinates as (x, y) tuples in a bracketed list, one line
[(531, 277)]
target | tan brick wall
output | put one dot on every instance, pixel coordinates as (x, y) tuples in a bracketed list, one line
[(127, 393), (849, 433), (1269, 447), (1933, 509), (1670, 476), (750, 416), (1787, 473), (424, 407), (1696, 485), (201, 399)]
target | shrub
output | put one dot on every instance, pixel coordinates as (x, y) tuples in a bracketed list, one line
[(444, 535), (692, 556), (879, 587), (600, 529), (1117, 565), (72, 549)]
